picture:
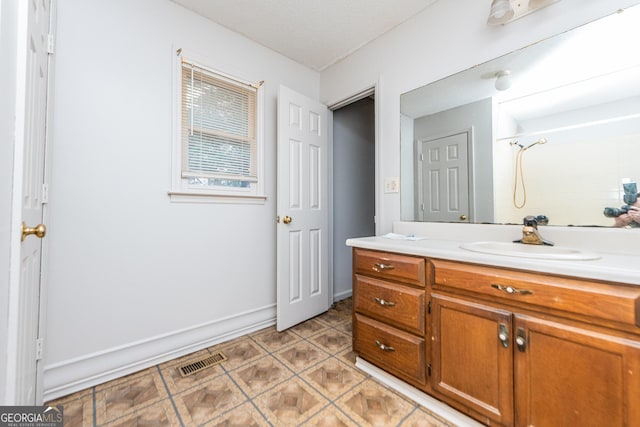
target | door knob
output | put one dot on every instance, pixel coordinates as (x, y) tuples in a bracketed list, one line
[(463, 217), (287, 219), (39, 230)]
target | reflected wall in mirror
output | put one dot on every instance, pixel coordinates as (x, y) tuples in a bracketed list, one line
[(559, 141)]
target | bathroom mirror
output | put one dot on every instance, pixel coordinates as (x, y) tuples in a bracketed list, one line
[(558, 139)]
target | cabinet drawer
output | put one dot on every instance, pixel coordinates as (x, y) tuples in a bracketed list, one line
[(612, 302), (402, 268), (402, 306), (390, 348)]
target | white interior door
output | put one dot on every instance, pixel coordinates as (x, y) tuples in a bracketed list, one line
[(302, 230), (443, 184), (32, 61)]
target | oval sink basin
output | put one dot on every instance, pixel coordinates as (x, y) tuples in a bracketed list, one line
[(530, 251)]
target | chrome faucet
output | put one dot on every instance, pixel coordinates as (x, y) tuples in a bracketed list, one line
[(530, 234)]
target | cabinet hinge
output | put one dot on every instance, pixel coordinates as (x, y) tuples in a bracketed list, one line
[(45, 193), (39, 348), (50, 44), (429, 369)]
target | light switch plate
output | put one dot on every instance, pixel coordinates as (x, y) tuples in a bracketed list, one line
[(392, 184)]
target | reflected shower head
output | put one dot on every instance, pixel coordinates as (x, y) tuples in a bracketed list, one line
[(540, 141)]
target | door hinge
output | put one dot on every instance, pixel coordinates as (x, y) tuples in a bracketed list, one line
[(429, 369), (45, 193), (39, 348), (421, 157), (50, 44)]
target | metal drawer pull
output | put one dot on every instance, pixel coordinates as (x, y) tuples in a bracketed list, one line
[(384, 347), (384, 303), (521, 339), (503, 335), (378, 266), (511, 289)]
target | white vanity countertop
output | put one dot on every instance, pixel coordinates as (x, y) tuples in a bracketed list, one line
[(614, 267)]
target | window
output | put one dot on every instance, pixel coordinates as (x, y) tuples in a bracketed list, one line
[(218, 143)]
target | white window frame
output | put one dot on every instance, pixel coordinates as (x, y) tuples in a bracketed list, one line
[(181, 190)]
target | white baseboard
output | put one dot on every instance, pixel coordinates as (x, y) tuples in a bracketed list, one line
[(423, 399), (342, 295), (69, 376)]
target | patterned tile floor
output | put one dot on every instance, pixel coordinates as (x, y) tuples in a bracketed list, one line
[(304, 376)]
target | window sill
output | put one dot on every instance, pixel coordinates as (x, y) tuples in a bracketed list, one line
[(180, 197)]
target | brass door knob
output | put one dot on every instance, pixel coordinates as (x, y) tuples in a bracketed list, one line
[(463, 217), (287, 219), (39, 230)]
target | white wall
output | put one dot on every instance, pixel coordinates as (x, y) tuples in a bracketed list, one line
[(8, 44), (134, 279), (447, 37)]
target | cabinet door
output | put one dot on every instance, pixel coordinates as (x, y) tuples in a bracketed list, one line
[(472, 357), (568, 376)]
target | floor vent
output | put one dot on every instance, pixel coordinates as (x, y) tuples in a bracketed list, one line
[(198, 365)]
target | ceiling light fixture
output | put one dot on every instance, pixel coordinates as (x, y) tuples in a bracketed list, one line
[(503, 80), (501, 12), (504, 11)]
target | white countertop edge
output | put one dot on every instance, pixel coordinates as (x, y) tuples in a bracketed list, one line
[(620, 268)]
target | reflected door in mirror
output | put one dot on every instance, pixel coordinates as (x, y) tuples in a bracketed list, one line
[(443, 178)]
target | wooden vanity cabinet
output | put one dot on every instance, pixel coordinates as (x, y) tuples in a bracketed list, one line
[(389, 313), (525, 349)]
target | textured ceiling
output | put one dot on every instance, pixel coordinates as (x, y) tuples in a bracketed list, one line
[(315, 33)]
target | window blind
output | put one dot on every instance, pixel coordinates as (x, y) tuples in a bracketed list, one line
[(218, 126)]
